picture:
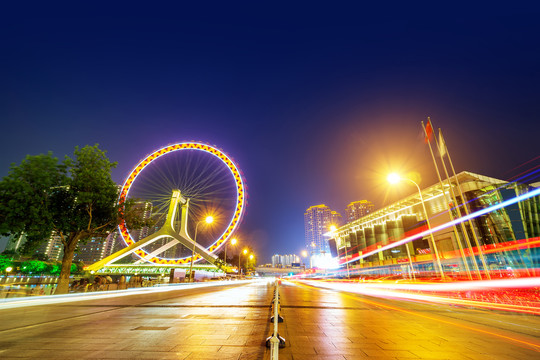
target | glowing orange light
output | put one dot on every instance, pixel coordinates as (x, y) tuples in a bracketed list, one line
[(393, 178)]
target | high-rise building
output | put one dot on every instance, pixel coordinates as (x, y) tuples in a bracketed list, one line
[(91, 251), (285, 260), (53, 248), (358, 209), (317, 221), (98, 248), (276, 260)]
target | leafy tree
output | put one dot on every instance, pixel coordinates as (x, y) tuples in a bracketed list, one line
[(54, 268), (33, 267), (74, 199), (5, 262)]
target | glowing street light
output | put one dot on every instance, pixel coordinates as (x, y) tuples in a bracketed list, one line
[(245, 251), (208, 220), (233, 242), (394, 178), (251, 257)]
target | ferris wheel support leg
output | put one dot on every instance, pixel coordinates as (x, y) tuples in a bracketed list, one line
[(125, 251), (166, 231), (162, 249)]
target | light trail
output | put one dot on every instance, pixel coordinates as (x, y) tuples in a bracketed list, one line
[(525, 343), (58, 299), (403, 292), (458, 285), (449, 224)]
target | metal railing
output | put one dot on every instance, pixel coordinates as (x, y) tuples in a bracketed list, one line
[(274, 342)]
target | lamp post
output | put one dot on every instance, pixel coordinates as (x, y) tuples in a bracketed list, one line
[(245, 251), (208, 220), (394, 179), (304, 255), (313, 245), (251, 256), (233, 242)]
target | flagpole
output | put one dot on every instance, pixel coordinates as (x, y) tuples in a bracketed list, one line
[(458, 210), (460, 246), (465, 208)]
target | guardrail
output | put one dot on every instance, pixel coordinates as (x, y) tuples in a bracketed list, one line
[(275, 342)]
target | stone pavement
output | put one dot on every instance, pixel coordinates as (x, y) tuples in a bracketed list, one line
[(232, 322), (211, 323)]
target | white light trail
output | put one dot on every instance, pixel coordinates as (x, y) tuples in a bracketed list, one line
[(57, 299)]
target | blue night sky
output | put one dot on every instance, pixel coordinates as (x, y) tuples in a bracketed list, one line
[(315, 103)]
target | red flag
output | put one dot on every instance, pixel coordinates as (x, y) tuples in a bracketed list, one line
[(429, 131)]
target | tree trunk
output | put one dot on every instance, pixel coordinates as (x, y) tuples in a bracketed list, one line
[(67, 259)]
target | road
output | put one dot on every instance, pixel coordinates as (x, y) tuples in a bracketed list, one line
[(326, 324), (232, 322)]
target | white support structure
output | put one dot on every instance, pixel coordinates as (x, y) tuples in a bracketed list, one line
[(177, 236)]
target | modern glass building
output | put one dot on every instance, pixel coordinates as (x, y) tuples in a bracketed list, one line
[(500, 241), (317, 222)]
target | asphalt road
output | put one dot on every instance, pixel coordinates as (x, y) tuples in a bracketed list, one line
[(232, 322)]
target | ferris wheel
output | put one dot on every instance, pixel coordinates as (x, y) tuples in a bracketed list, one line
[(178, 186)]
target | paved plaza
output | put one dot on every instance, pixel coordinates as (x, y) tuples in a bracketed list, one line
[(232, 322)]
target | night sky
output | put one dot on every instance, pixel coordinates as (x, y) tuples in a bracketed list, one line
[(315, 103)]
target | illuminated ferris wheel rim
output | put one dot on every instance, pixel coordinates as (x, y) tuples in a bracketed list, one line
[(188, 145)]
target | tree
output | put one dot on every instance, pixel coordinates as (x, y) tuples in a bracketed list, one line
[(5, 262), (33, 267), (74, 199)]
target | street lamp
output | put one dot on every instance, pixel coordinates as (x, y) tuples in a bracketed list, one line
[(245, 251), (251, 256), (394, 178), (208, 220), (233, 242)]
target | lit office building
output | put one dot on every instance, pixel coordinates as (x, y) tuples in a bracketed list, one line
[(317, 221), (91, 251), (358, 209), (493, 237), (53, 248)]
